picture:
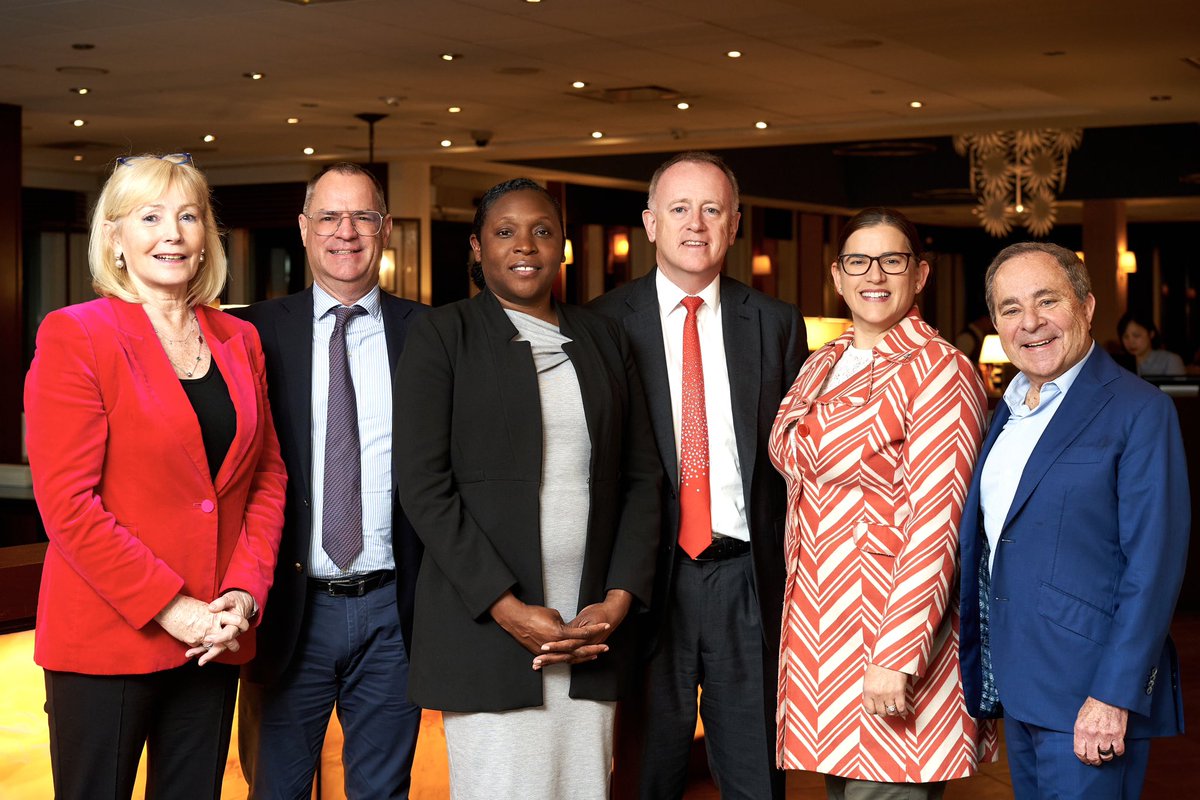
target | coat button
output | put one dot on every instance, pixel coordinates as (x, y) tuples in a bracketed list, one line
[(298, 567), (802, 429), (207, 506)]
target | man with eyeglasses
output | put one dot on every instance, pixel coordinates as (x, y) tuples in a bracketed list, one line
[(338, 621)]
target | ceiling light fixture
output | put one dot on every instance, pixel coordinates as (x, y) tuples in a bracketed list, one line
[(578, 84), (293, 120), (79, 123), (85, 90), (1015, 175), (446, 142), (450, 56), (916, 104), (597, 134), (683, 105), (454, 109), (208, 137), (734, 53), (77, 157), (761, 125), (308, 151)]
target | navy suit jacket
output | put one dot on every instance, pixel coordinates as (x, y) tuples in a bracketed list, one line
[(285, 326), (1089, 562)]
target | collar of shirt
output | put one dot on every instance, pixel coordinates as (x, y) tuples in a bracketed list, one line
[(324, 303), (1014, 395), (670, 296)]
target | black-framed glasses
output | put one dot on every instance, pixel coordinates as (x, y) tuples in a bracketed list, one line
[(860, 263), (326, 223), (174, 158)]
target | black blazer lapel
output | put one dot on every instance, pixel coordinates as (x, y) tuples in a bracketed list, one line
[(294, 333), (516, 380), (395, 327), (644, 326), (743, 358)]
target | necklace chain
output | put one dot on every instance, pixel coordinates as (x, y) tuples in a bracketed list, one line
[(194, 330)]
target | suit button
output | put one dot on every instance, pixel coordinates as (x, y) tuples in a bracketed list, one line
[(306, 503), (802, 429), (298, 567), (207, 506)]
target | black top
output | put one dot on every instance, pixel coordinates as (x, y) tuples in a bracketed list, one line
[(214, 409)]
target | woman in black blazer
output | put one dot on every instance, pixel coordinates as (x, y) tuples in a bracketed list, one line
[(526, 463)]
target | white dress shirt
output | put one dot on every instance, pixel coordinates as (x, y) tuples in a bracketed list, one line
[(1014, 445), (366, 349), (724, 471)]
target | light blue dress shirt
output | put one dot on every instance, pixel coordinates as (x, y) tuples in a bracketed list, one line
[(1010, 453), (366, 349)]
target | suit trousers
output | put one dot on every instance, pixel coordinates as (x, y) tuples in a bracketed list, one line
[(100, 723), (1043, 766), (712, 639), (350, 655)]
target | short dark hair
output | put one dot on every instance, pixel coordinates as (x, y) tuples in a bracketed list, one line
[(1141, 319), (475, 268), (347, 168), (694, 157), (870, 217), (1077, 274)]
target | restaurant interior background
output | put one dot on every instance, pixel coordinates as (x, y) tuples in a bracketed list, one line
[(943, 109)]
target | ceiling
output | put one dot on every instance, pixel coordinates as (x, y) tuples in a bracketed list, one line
[(162, 74)]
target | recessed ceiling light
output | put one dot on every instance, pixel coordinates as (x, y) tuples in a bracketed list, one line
[(578, 84), (1160, 98), (77, 157), (308, 151), (293, 120), (79, 123), (446, 142), (533, 1), (450, 56), (597, 134), (761, 125), (734, 53), (454, 109), (683, 105), (208, 137), (80, 90), (254, 76), (916, 104)]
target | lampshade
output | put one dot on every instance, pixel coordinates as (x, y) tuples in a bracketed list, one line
[(387, 269), (761, 265), (1127, 262), (568, 252), (822, 330), (992, 352), (620, 245)]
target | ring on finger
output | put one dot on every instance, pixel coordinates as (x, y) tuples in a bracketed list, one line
[(891, 709), (1109, 751)]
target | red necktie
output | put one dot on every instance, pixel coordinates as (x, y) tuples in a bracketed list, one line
[(695, 507)]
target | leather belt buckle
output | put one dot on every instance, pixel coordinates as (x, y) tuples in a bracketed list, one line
[(352, 587), (724, 547)]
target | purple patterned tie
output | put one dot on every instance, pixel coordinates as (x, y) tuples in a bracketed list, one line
[(341, 510)]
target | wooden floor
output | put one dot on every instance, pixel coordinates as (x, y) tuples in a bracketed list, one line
[(25, 760)]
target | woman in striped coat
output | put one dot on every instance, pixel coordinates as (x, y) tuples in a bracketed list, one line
[(877, 439)]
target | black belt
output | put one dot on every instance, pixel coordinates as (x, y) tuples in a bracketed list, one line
[(354, 585), (723, 547)]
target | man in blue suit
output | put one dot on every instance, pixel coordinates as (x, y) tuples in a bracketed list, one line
[(1074, 540)]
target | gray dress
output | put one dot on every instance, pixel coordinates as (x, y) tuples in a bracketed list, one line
[(563, 748)]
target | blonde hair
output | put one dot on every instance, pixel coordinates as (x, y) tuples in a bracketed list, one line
[(134, 183)]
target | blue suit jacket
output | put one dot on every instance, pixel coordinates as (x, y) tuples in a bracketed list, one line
[(1089, 563)]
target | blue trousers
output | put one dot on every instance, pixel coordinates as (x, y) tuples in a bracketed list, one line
[(1043, 766), (350, 655)]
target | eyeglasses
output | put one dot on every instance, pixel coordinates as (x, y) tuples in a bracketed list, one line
[(326, 223), (174, 158), (860, 263)]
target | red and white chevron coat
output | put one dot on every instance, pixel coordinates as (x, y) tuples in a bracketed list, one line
[(877, 473)]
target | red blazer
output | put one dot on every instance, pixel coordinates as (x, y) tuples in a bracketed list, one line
[(123, 487)]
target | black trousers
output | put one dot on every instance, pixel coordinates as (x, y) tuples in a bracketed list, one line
[(712, 639), (100, 723)]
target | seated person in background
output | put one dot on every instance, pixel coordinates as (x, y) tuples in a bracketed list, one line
[(1139, 336)]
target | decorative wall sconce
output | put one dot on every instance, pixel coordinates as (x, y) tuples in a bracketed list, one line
[(620, 246), (387, 270), (568, 253), (1127, 262), (761, 265), (1016, 175)]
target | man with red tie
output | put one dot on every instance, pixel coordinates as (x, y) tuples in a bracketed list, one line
[(716, 358)]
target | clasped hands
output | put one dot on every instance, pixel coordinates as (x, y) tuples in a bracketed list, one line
[(543, 632), (208, 629)]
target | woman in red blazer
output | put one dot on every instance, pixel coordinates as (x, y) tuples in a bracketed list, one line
[(158, 477)]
